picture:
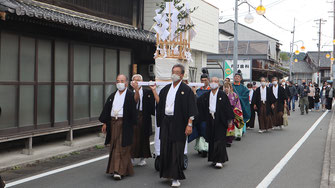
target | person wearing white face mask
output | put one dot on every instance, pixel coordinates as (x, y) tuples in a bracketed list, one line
[(280, 103), (251, 123), (263, 101), (218, 113), (199, 130), (236, 130), (175, 114), (311, 96), (118, 117), (143, 128)]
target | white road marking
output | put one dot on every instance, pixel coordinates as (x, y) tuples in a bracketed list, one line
[(58, 170), (265, 183), (55, 171), (276, 170)]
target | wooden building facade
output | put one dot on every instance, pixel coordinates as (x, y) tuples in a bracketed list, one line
[(59, 61)]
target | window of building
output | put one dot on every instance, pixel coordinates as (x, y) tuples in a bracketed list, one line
[(41, 81), (326, 73)]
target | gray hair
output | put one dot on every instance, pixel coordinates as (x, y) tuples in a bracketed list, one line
[(137, 75), (182, 68)]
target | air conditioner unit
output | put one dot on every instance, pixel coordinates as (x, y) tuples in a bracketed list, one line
[(151, 70)]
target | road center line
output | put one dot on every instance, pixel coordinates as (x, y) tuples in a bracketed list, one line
[(21, 181), (276, 170)]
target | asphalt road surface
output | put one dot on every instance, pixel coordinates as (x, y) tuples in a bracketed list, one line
[(250, 161)]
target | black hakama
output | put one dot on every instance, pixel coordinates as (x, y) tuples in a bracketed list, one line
[(172, 153)]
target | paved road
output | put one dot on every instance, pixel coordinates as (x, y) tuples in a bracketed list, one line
[(250, 160)]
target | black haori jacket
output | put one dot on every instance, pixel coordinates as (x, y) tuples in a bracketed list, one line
[(270, 99), (224, 113), (129, 118), (148, 109), (282, 97), (184, 108)]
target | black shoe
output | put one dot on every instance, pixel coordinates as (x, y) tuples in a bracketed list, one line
[(2, 183), (228, 145), (157, 163), (185, 162), (302, 113), (204, 154), (238, 139)]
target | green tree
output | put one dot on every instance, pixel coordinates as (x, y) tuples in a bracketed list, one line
[(284, 56)]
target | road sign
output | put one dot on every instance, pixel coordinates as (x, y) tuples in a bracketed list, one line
[(243, 65)]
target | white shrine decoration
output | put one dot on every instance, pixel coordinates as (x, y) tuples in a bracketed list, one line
[(174, 30)]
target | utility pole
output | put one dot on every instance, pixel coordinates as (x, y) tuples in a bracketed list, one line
[(291, 50), (334, 25), (319, 47), (235, 58), (319, 22)]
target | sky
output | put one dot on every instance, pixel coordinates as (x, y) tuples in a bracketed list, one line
[(283, 12)]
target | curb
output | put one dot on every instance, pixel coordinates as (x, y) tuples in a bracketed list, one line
[(49, 156), (328, 169)]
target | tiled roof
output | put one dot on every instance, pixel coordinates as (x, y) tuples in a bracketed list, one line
[(324, 62), (61, 15), (302, 67), (245, 47)]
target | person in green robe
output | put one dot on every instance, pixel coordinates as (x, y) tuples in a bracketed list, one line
[(243, 94)]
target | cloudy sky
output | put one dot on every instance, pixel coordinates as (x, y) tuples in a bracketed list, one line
[(283, 12)]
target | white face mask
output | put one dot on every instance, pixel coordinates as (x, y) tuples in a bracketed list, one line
[(214, 85), (175, 78), (263, 83), (275, 82), (121, 86)]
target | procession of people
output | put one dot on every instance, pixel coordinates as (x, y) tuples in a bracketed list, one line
[(214, 116)]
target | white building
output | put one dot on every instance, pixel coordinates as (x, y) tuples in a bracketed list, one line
[(206, 21)]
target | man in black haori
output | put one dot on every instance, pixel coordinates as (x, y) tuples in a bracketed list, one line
[(145, 106), (216, 110), (118, 118), (175, 113), (280, 103), (263, 101)]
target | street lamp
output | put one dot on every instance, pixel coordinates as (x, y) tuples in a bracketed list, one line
[(327, 56), (297, 52), (302, 48), (260, 9), (249, 18)]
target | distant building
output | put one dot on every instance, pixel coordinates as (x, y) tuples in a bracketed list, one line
[(302, 70), (307, 68), (261, 50), (312, 59)]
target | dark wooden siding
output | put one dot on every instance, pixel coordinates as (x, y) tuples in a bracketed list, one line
[(118, 10)]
